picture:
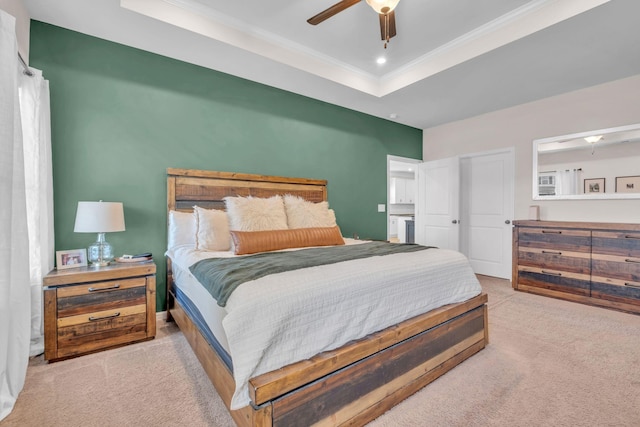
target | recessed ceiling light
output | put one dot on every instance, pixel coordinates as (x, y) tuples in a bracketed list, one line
[(381, 60), (393, 116)]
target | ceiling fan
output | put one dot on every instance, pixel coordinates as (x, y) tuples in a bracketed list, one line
[(384, 8)]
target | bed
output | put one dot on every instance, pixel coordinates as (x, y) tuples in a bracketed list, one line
[(347, 385)]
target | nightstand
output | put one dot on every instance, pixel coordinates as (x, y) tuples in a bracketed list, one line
[(89, 309)]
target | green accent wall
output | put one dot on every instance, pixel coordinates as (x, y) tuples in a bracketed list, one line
[(121, 116)]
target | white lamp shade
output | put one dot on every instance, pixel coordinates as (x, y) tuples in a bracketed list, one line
[(99, 217), (379, 5)]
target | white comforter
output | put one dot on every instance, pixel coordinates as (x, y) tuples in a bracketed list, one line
[(291, 316)]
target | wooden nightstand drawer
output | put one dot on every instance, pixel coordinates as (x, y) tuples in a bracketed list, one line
[(106, 315), (95, 313), (87, 332), (101, 296), (100, 287)]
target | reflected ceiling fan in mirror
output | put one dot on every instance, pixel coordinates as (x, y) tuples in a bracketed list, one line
[(384, 8)]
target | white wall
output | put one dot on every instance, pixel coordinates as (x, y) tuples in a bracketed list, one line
[(608, 105), (23, 21)]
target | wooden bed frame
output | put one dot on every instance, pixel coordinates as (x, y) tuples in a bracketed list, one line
[(350, 385)]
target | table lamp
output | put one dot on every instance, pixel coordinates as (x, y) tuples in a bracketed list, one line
[(99, 217)]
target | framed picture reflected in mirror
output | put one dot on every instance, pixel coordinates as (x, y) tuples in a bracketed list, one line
[(594, 185), (628, 184)]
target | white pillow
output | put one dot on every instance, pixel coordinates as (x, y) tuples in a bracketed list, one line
[(212, 230), (256, 214), (182, 229), (304, 214)]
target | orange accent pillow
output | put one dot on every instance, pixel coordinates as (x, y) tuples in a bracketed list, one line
[(251, 242)]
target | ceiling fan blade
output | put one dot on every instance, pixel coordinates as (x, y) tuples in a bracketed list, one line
[(328, 13)]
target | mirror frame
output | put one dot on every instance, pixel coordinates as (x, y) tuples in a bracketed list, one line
[(604, 196)]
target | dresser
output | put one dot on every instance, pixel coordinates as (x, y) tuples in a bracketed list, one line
[(88, 309), (588, 262)]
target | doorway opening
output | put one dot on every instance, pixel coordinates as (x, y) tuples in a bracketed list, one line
[(401, 198)]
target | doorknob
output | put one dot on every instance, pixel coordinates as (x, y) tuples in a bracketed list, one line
[(507, 222), (455, 221)]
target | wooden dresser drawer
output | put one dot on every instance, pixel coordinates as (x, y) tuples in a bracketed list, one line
[(555, 280), (616, 267), (93, 315), (624, 244), (625, 291), (555, 239), (616, 278), (575, 262)]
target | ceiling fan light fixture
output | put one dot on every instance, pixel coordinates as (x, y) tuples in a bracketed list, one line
[(383, 6), (593, 139)]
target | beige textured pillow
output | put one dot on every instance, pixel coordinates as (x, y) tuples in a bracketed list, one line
[(212, 230), (182, 229), (304, 214), (251, 242), (255, 213)]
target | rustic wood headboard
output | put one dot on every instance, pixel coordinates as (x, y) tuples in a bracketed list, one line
[(207, 189)]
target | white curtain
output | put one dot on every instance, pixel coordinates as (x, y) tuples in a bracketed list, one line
[(36, 134), (567, 181), (26, 229)]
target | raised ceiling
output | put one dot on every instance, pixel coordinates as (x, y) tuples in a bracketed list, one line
[(451, 59)]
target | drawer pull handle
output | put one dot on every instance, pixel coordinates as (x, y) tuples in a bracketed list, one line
[(551, 232), (632, 285), (552, 252), (553, 273), (632, 260), (109, 316), (107, 288), (631, 237)]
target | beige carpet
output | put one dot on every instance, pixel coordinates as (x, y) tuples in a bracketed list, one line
[(549, 363)]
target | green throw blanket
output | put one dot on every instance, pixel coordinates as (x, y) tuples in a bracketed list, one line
[(221, 276)]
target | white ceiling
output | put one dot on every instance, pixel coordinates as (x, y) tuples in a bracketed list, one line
[(451, 59)]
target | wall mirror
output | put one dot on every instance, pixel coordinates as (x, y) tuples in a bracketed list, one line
[(599, 164)]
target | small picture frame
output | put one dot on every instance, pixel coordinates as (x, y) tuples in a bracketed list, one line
[(628, 184), (594, 186), (71, 258)]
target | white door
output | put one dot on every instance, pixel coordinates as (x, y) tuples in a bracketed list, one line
[(437, 203), (487, 211)]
